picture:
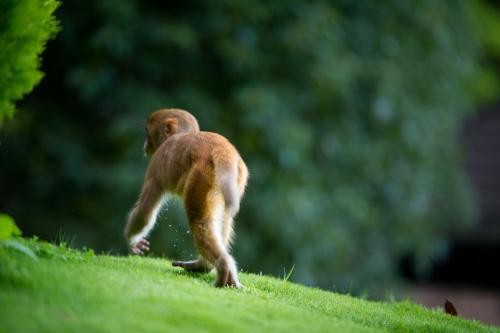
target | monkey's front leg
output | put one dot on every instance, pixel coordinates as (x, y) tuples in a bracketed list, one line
[(143, 217), (140, 247)]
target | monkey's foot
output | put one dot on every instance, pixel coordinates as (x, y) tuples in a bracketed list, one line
[(140, 247), (227, 275), (231, 282), (199, 266)]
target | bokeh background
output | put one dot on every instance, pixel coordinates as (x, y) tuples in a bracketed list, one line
[(371, 131)]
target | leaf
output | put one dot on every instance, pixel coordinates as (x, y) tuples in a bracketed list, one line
[(8, 227), (449, 308), (15, 245)]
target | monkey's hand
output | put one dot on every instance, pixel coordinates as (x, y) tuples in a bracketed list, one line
[(140, 247)]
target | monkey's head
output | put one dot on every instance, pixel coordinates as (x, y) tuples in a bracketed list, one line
[(163, 124)]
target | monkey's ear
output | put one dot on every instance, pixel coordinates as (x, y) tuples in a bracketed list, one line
[(170, 126)]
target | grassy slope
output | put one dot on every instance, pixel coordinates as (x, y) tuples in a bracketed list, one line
[(71, 291)]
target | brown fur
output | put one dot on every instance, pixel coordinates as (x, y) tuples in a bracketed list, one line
[(207, 171)]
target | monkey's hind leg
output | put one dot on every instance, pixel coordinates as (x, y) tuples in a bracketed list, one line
[(209, 243), (205, 209), (227, 230), (199, 265)]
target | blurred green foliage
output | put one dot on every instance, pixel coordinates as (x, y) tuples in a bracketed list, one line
[(486, 85), (347, 114), (8, 228), (25, 27), (9, 231)]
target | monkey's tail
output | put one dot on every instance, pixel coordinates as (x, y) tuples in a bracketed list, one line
[(227, 175)]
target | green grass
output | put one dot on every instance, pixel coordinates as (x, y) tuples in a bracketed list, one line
[(76, 291)]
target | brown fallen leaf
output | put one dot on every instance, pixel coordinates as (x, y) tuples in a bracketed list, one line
[(449, 308)]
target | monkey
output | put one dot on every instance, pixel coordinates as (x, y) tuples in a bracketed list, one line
[(208, 173)]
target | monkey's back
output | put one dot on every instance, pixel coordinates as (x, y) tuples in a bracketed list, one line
[(204, 151)]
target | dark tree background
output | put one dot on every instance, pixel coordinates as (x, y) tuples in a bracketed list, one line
[(347, 115)]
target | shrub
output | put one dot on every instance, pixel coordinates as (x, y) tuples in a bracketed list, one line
[(25, 27)]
